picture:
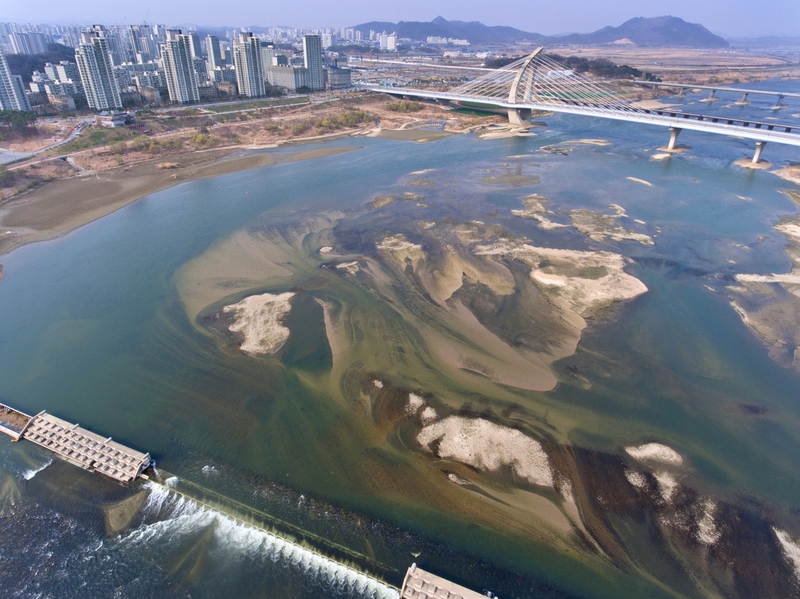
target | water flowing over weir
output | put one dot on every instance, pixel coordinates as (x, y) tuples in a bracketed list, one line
[(180, 507)]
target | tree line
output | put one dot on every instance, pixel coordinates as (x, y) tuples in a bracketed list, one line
[(599, 67)]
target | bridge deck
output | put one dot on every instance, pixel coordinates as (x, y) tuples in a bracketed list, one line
[(737, 90), (419, 584), (85, 448), (784, 133)]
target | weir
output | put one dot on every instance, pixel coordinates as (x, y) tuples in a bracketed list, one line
[(281, 539), (75, 444), (302, 548)]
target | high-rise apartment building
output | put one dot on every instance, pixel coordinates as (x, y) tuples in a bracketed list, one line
[(247, 60), (12, 90), (96, 71), (213, 53), (267, 52), (30, 42), (181, 78), (194, 45), (312, 57)]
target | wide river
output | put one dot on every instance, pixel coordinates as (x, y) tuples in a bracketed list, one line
[(94, 328)]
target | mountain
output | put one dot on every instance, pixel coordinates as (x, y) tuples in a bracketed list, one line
[(474, 31), (655, 31)]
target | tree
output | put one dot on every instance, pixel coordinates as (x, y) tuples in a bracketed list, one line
[(17, 119), (6, 177), (24, 64)]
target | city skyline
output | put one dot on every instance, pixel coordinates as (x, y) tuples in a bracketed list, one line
[(738, 19)]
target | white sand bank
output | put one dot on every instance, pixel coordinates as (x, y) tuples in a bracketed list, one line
[(489, 446), (260, 319)]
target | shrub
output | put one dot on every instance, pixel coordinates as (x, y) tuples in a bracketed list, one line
[(300, 127), (405, 106)]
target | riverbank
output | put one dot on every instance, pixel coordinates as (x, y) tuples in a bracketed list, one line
[(63, 205)]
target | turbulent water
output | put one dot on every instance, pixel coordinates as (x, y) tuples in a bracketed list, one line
[(526, 364)]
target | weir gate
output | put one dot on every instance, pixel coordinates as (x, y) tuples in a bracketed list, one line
[(306, 550), (75, 444)]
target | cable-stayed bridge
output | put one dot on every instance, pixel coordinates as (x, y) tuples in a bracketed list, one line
[(538, 83)]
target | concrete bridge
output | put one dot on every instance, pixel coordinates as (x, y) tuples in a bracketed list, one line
[(538, 83), (712, 96)]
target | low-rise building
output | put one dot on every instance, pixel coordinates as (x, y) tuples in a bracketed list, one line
[(288, 77), (61, 102), (151, 95), (208, 91), (115, 118), (338, 78), (228, 88)]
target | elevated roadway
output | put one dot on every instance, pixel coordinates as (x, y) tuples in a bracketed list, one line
[(537, 83)]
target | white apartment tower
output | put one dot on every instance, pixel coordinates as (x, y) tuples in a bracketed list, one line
[(312, 57), (94, 65), (176, 54), (12, 90), (249, 70)]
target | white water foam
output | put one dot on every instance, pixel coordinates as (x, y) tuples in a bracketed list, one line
[(791, 550), (707, 531), (184, 516), (29, 474)]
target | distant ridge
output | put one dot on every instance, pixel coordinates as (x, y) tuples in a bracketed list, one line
[(641, 31), (474, 31), (655, 31)]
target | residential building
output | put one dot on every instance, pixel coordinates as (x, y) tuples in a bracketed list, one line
[(312, 55), (214, 53), (388, 42), (223, 75), (149, 94), (65, 72), (179, 69), (328, 40), (12, 90), (288, 77), (338, 78), (194, 45), (149, 79), (145, 41), (97, 75), (267, 53), (247, 61), (30, 42)]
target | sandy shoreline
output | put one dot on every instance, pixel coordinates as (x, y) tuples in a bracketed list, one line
[(61, 206)]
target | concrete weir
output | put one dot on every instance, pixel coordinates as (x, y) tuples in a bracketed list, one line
[(75, 444), (361, 575)]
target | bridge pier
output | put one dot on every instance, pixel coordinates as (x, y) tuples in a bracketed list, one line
[(673, 138), (712, 97), (681, 92), (759, 148), (521, 117), (744, 100), (779, 103)]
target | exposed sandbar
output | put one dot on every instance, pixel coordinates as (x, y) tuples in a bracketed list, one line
[(259, 318), (489, 446)]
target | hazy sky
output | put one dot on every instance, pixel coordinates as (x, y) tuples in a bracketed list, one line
[(727, 17)]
